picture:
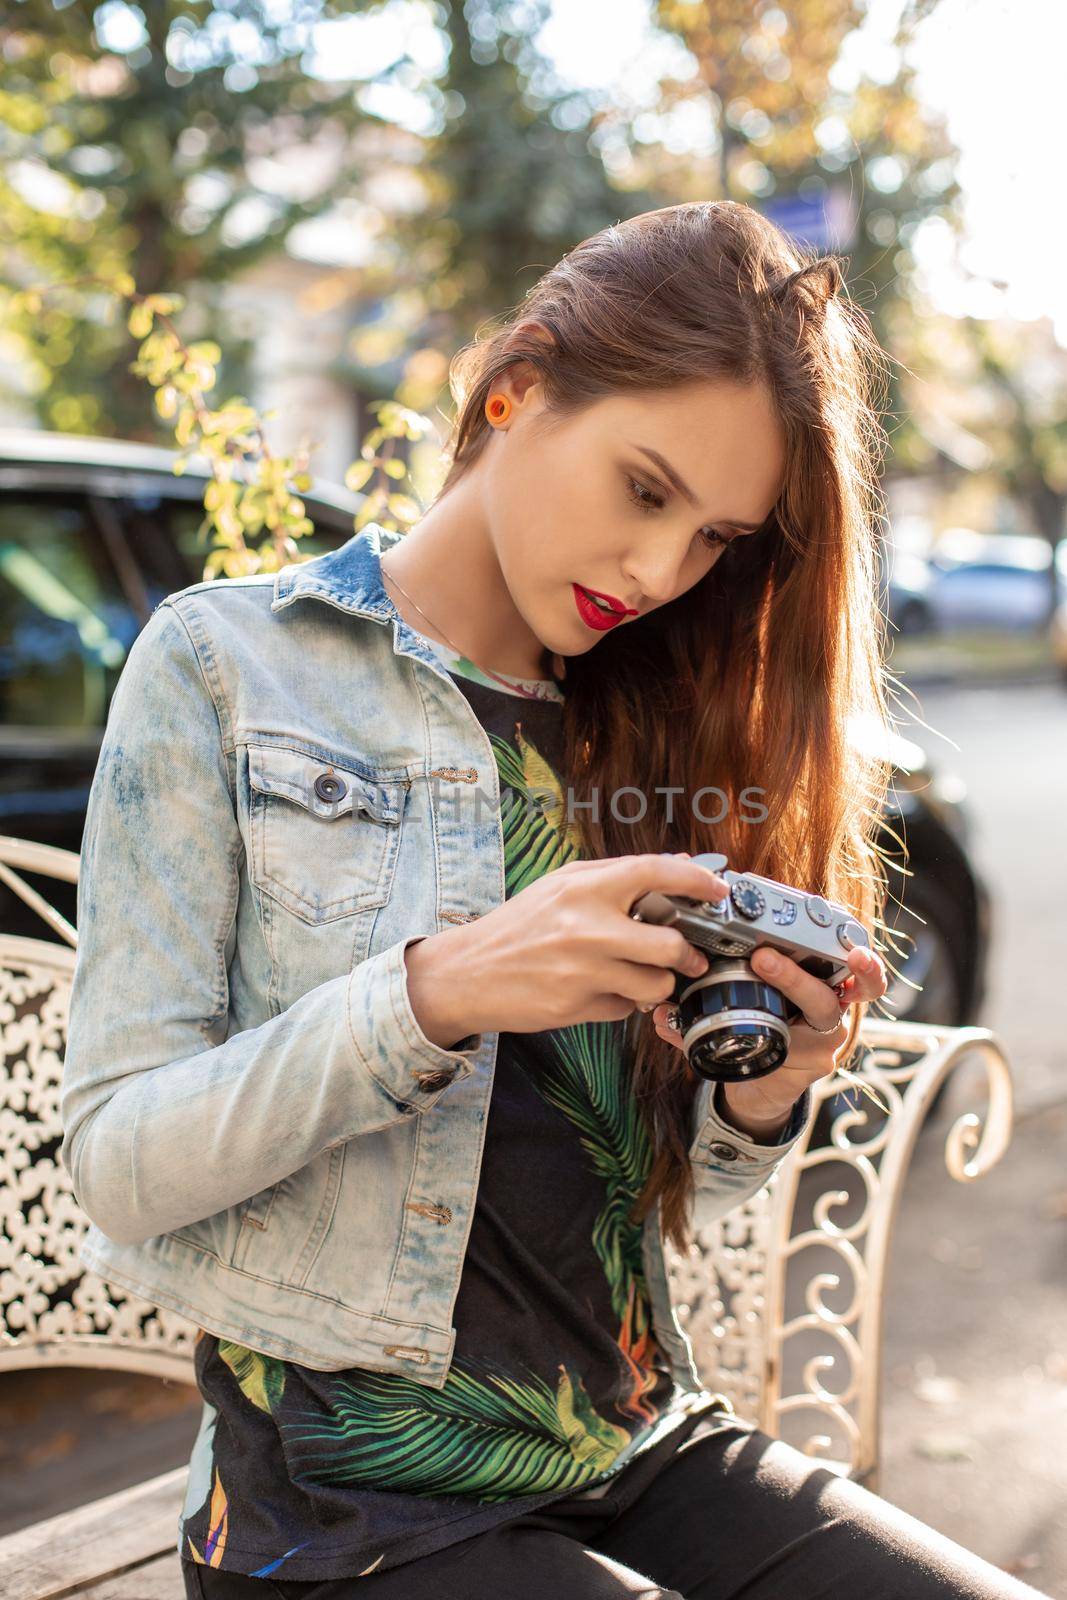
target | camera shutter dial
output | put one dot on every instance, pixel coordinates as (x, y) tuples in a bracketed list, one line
[(819, 911), (748, 899)]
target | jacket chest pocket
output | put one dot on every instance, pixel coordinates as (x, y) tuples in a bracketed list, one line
[(323, 838)]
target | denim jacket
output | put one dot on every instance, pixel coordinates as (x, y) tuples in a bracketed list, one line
[(262, 1137)]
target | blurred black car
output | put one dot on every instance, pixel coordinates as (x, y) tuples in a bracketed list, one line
[(94, 533)]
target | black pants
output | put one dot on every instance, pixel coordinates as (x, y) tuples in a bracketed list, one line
[(731, 1514)]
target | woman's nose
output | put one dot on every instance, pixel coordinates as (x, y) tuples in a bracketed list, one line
[(657, 577)]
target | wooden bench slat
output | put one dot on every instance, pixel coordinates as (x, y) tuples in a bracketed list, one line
[(160, 1579), (97, 1542)]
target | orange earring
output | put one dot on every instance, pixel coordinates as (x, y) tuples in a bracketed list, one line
[(498, 408)]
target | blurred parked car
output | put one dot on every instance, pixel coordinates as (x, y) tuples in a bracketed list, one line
[(94, 533), (990, 581)]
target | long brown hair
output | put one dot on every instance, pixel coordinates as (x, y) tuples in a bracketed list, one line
[(748, 681)]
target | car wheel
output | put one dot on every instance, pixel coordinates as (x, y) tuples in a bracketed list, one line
[(933, 991)]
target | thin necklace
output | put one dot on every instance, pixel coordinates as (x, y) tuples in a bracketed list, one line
[(509, 683)]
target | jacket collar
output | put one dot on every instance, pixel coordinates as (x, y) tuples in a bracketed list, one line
[(349, 577)]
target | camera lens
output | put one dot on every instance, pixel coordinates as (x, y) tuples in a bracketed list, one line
[(734, 1025)]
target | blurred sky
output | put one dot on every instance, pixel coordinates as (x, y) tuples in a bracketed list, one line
[(997, 71)]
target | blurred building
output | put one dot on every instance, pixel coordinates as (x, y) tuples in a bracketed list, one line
[(298, 315)]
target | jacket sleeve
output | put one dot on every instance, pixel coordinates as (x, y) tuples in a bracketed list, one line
[(728, 1166), (166, 1119)]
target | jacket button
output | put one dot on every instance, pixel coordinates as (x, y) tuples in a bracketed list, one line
[(328, 786), (725, 1152), (435, 1080)]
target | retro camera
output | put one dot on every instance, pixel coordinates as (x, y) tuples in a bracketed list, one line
[(734, 1024)]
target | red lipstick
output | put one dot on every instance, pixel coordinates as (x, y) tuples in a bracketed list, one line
[(594, 615)]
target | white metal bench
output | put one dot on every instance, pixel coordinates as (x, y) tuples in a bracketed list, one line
[(752, 1289)]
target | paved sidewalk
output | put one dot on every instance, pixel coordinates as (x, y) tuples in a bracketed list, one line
[(975, 1392)]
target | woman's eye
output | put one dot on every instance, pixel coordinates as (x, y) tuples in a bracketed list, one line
[(642, 496)]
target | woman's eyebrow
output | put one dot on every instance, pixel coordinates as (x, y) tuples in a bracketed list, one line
[(684, 489)]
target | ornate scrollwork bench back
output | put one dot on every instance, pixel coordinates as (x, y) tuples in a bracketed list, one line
[(750, 1288), (53, 1312), (755, 1284)]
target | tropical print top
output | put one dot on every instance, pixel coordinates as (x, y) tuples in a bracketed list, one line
[(556, 1379)]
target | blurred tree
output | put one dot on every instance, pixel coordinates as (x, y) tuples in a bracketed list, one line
[(180, 142), (796, 118), (1029, 447), (1001, 383), (177, 141), (511, 181)]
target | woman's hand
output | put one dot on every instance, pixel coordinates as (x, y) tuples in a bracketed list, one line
[(563, 950), (761, 1106)]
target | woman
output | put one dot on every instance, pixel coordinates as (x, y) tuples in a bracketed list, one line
[(411, 1180)]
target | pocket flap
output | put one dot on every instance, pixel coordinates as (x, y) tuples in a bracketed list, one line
[(276, 769)]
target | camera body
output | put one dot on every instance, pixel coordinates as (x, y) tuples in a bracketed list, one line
[(734, 1024)]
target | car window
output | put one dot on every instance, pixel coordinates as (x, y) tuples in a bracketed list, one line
[(149, 533), (80, 574), (66, 623)]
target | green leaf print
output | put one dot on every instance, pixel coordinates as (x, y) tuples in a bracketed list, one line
[(261, 1378), (490, 1439), (588, 1084), (590, 1438), (589, 1088), (536, 837)]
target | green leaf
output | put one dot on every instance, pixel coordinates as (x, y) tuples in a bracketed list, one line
[(167, 401), (205, 350), (139, 321), (165, 304)]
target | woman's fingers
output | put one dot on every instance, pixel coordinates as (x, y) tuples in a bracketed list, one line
[(868, 966), (818, 1004)]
